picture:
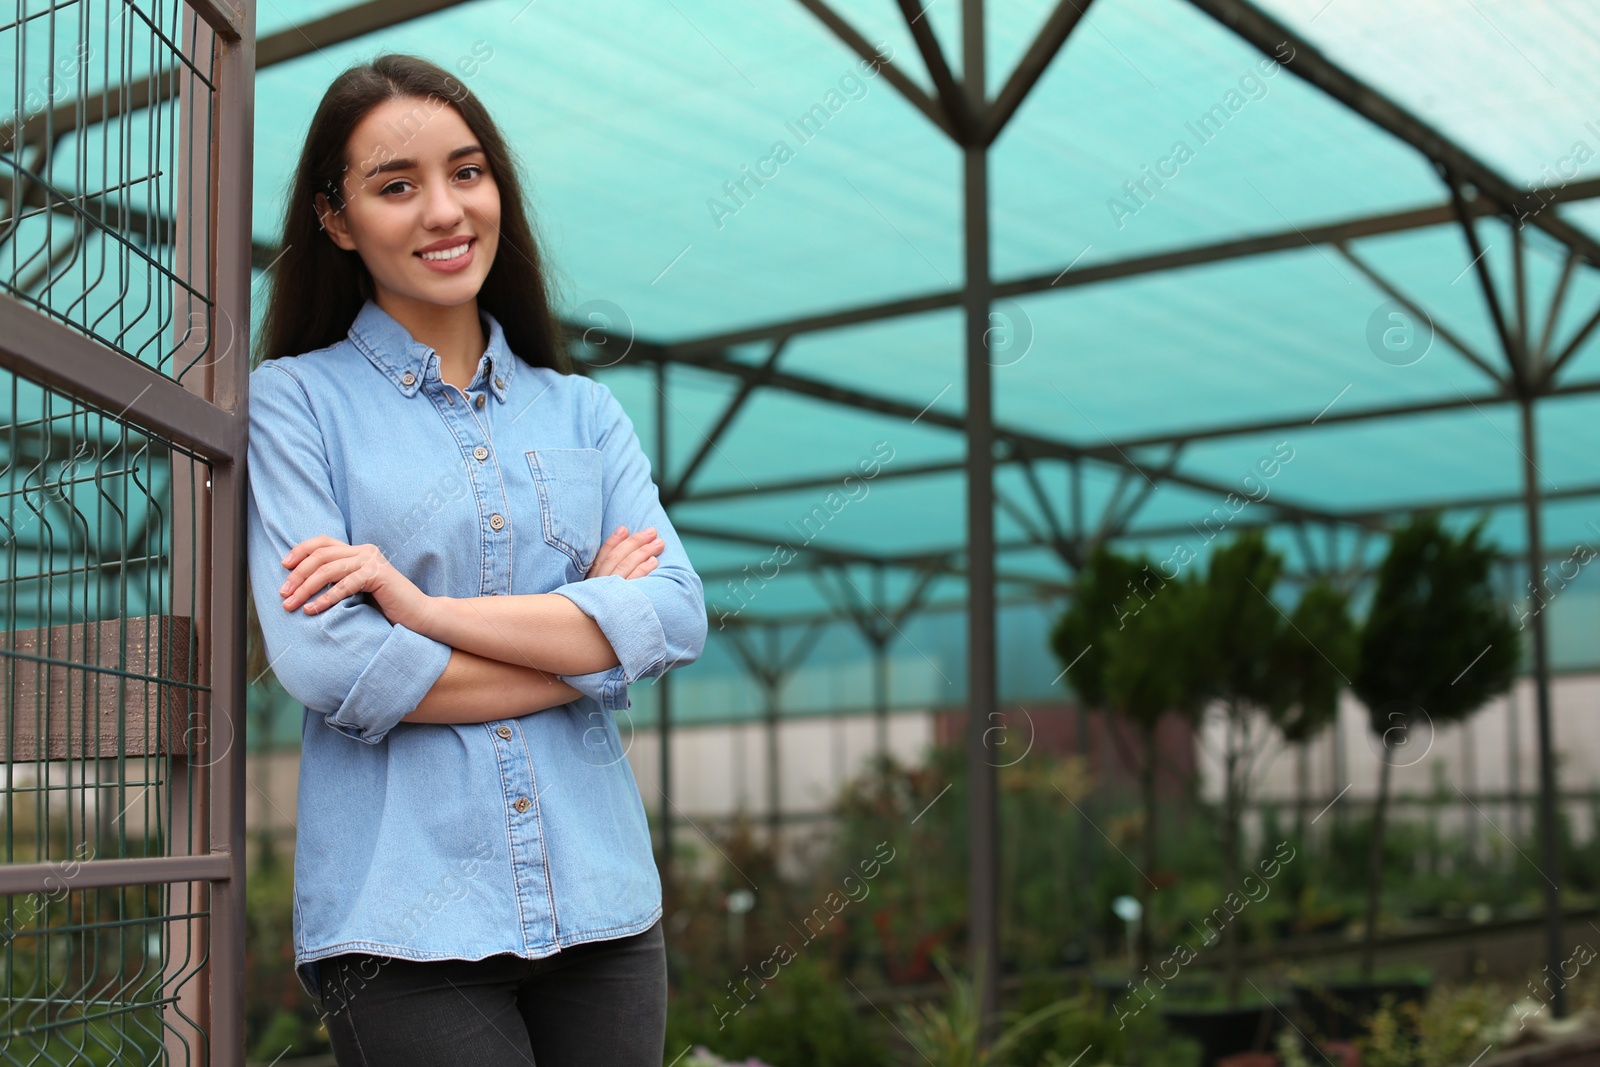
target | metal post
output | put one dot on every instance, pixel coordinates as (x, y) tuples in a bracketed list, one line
[(1469, 776), (231, 194), (664, 683), (770, 681), (1528, 373), (213, 343), (880, 671), (983, 824), (1513, 739), (1549, 842), (880, 696)]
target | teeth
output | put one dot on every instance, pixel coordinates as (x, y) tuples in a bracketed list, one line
[(449, 253)]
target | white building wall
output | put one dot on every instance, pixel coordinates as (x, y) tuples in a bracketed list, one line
[(720, 770), (1489, 757)]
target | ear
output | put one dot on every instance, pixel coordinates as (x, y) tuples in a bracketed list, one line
[(334, 223)]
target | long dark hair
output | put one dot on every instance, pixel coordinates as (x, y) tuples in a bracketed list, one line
[(316, 287)]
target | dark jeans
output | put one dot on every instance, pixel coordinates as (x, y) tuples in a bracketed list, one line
[(598, 1004)]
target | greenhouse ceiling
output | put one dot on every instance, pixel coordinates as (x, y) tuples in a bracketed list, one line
[(1234, 277)]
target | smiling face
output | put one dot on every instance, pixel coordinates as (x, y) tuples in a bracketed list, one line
[(420, 206)]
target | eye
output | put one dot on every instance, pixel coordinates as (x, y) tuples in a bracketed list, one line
[(469, 172)]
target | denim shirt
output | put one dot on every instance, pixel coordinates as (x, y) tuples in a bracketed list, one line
[(431, 841)]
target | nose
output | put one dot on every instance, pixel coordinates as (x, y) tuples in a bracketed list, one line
[(441, 207)]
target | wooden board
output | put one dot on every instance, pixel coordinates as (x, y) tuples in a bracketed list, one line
[(85, 713)]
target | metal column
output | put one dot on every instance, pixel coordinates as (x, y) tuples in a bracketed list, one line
[(983, 820)]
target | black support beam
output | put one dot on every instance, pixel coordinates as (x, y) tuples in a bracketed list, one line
[(1266, 34)]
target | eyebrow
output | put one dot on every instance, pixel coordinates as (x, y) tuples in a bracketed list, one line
[(410, 164)]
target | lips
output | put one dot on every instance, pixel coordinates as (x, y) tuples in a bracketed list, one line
[(455, 256), (447, 249)]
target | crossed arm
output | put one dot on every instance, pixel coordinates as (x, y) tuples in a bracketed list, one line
[(484, 679), (453, 660), (490, 675), (478, 689)]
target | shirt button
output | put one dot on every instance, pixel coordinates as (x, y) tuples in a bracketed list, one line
[(495, 521), (477, 401), (408, 379), (523, 804), (480, 453), (503, 731), (498, 384)]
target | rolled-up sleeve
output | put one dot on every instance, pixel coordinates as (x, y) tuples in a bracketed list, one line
[(656, 622), (348, 663)]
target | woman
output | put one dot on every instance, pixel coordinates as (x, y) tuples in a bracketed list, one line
[(430, 487)]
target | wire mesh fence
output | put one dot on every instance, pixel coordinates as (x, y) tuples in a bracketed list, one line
[(124, 133), (101, 682), (107, 176)]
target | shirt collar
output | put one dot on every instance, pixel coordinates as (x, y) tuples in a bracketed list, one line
[(408, 363)]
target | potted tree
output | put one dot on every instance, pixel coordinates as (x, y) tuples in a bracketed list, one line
[(1436, 645), (1259, 680), (1242, 633), (1317, 657), (1127, 638), (1269, 675)]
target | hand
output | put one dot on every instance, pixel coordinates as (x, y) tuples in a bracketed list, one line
[(630, 555), (350, 569)]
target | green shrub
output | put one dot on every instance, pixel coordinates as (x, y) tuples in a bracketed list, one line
[(804, 1016), (1453, 1025)]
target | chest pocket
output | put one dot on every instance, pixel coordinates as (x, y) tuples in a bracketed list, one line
[(570, 501)]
